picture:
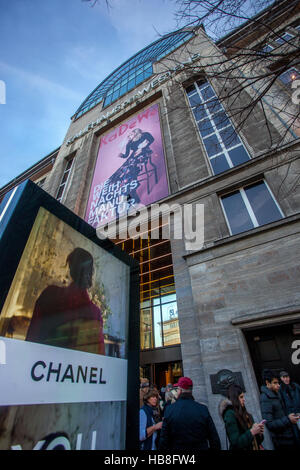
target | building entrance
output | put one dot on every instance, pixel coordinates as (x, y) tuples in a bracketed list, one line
[(166, 373), (163, 373), (276, 348)]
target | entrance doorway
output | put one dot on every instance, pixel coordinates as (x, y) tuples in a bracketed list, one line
[(276, 348), (167, 372), (163, 373)]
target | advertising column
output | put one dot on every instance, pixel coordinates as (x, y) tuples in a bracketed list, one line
[(63, 341)]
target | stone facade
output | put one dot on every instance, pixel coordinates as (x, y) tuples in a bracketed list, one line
[(234, 282)]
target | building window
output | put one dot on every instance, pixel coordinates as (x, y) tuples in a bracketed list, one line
[(223, 146), (250, 207), (159, 325), (65, 179), (41, 182), (159, 322), (127, 82), (289, 76), (284, 38), (266, 49)]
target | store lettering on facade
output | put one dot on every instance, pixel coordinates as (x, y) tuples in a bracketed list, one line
[(152, 85), (296, 354)]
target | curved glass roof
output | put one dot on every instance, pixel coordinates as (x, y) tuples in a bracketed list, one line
[(133, 72)]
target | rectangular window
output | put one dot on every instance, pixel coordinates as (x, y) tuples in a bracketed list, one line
[(146, 327), (64, 179), (266, 48), (131, 84), (283, 38), (289, 76), (41, 182), (107, 101), (223, 146), (249, 207), (139, 78), (158, 341), (148, 72), (170, 323), (159, 322), (115, 95)]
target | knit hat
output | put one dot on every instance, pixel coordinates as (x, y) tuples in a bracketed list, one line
[(185, 383)]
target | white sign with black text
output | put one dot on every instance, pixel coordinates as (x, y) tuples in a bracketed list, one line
[(33, 373)]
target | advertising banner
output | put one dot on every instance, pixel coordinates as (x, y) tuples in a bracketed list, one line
[(130, 169), (64, 339)]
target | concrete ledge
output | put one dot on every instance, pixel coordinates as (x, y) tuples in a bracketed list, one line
[(243, 241), (267, 316)]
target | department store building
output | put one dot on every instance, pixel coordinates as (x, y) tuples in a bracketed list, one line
[(225, 311)]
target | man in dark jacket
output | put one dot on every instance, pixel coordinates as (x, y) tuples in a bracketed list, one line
[(290, 393), (187, 425), (273, 411)]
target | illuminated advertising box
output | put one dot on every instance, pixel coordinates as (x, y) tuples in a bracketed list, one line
[(68, 348), (130, 168)]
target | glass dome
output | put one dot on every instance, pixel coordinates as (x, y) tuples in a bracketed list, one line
[(133, 72)]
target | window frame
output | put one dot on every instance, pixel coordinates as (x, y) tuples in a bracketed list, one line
[(281, 37), (65, 183), (216, 132), (241, 190), (262, 51), (41, 181), (159, 306), (287, 85)]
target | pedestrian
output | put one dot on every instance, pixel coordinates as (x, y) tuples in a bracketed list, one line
[(148, 427), (187, 425), (144, 388), (170, 398), (242, 432), (162, 400), (157, 410), (290, 393), (273, 410), (154, 387)]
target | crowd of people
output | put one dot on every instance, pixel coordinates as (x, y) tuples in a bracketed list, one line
[(171, 419)]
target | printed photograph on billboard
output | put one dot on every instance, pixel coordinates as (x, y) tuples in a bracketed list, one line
[(64, 330), (130, 170)]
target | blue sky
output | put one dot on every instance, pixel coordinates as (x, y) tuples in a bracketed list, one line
[(53, 53)]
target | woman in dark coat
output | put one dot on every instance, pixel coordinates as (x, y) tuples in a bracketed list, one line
[(242, 432)]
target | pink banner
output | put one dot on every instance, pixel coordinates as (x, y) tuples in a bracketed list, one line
[(130, 169)]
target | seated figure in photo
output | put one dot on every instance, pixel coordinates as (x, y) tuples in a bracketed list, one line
[(66, 316)]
